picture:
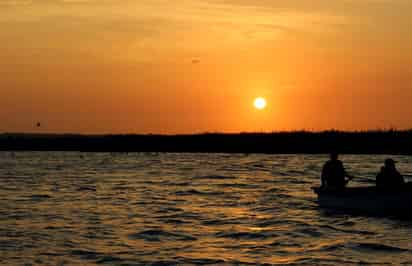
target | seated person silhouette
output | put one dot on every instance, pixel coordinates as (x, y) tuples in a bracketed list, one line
[(333, 174), (389, 177)]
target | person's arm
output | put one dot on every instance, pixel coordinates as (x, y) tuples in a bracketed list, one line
[(347, 174)]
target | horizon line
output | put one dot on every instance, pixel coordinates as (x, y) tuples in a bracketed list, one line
[(297, 131)]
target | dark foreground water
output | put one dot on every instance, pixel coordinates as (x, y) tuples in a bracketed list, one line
[(164, 209)]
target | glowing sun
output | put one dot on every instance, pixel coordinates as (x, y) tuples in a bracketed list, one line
[(259, 103)]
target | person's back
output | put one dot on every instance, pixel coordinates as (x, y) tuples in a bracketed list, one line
[(389, 177), (333, 174)]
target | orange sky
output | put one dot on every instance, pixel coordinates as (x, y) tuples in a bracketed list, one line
[(190, 66)]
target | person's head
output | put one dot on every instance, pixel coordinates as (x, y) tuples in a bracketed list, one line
[(334, 155), (390, 163)]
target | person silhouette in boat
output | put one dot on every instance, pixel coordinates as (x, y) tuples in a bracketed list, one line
[(333, 174), (389, 177)]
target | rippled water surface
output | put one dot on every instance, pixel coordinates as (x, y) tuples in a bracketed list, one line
[(136, 209)]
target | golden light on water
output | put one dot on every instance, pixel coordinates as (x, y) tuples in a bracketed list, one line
[(259, 103)]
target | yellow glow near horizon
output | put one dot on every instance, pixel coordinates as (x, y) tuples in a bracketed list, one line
[(260, 103)]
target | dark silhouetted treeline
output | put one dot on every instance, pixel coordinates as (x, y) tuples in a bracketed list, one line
[(365, 142)]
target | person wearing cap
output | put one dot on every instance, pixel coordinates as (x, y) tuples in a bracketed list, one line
[(333, 174), (389, 177)]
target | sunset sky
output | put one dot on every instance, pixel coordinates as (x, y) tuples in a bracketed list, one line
[(190, 66)]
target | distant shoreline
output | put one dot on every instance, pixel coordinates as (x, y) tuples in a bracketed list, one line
[(362, 142)]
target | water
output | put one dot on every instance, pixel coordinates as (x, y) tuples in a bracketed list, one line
[(136, 209)]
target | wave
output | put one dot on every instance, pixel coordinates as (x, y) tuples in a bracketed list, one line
[(109, 260), (349, 231), (176, 221), (219, 177), (274, 190), (288, 173), (292, 180), (87, 188), (184, 215), (160, 235), (181, 184), (328, 246), (328, 261), (85, 254), (244, 235), (378, 247), (198, 192), (239, 185), (308, 232), (220, 222), (186, 261), (40, 197)]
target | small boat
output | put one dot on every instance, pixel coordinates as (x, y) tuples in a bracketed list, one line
[(368, 200)]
